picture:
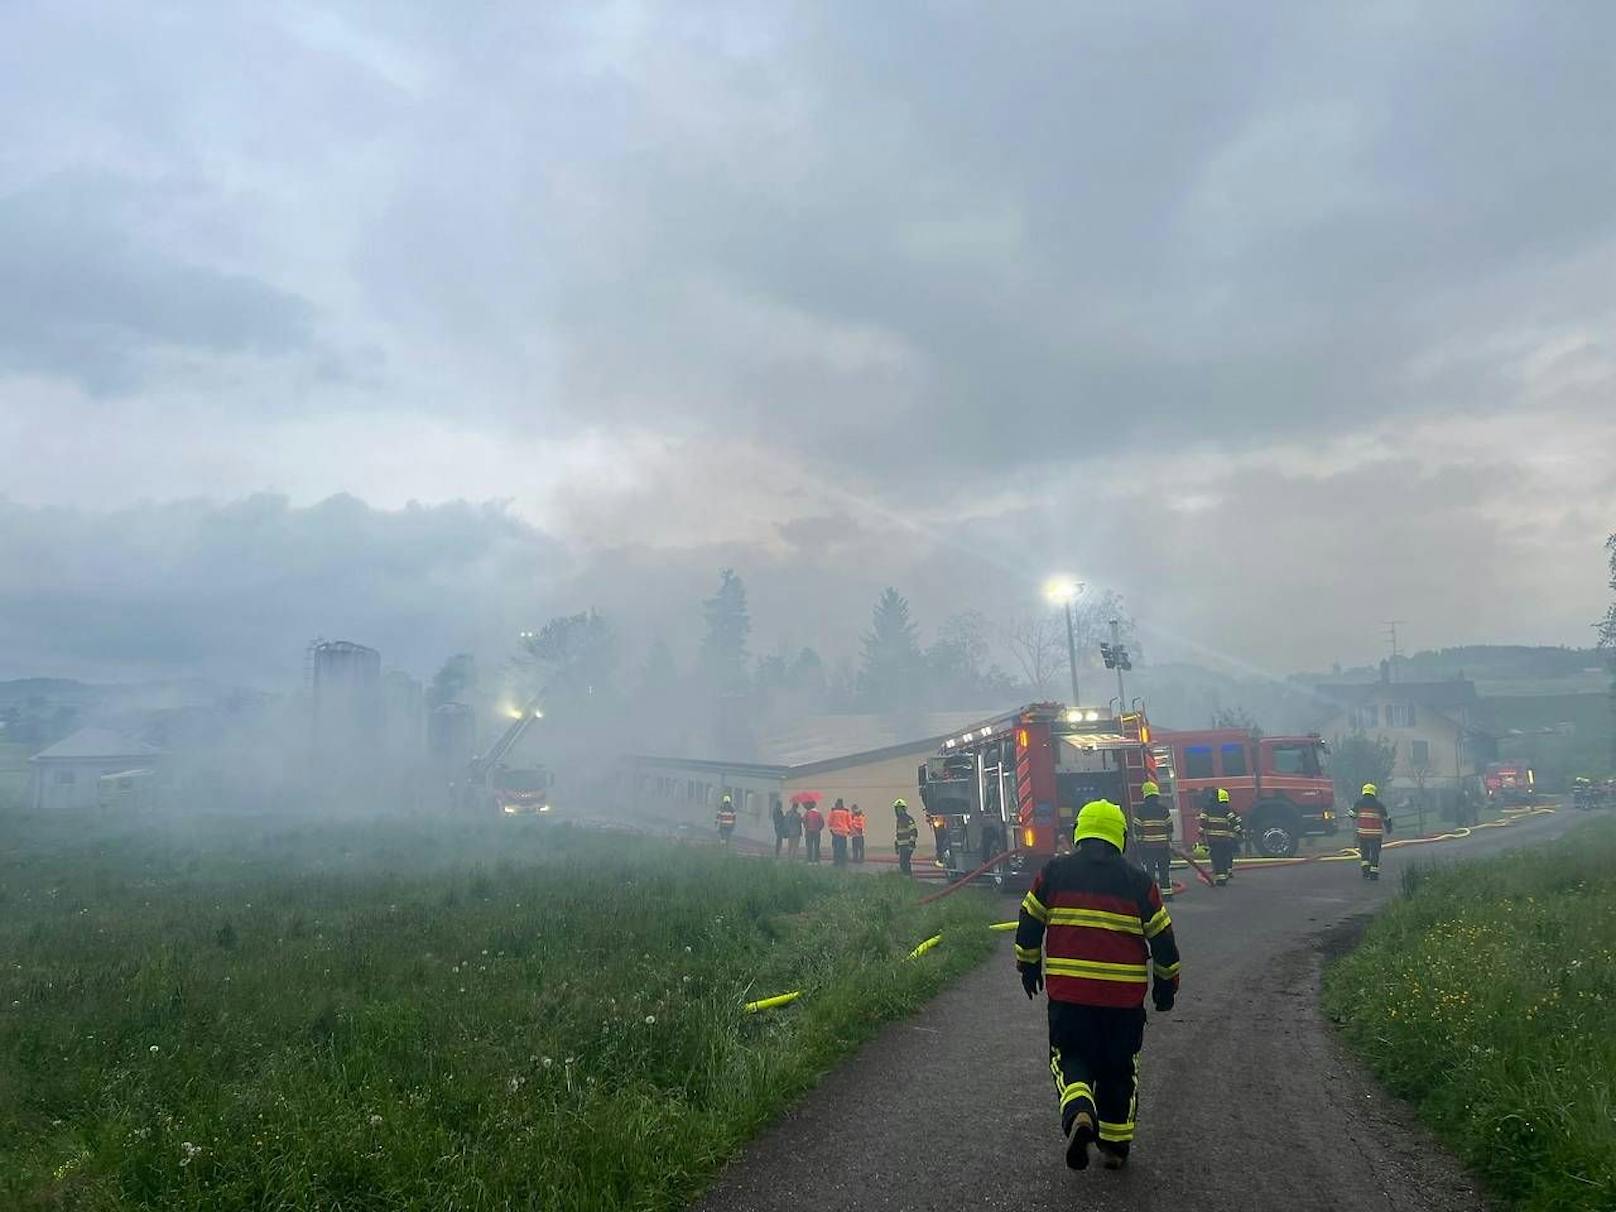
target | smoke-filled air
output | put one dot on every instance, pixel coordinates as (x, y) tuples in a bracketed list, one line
[(649, 606)]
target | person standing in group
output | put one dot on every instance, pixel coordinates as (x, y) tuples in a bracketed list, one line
[(726, 821), (856, 817), (779, 815), (1094, 933), (793, 829), (1221, 828), (1372, 823), (905, 836), (1153, 830), (841, 828), (813, 824)]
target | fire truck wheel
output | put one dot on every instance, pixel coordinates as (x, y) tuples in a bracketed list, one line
[(1275, 832)]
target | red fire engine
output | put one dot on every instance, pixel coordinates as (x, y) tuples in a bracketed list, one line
[(1279, 785), (1015, 783), (1509, 783)]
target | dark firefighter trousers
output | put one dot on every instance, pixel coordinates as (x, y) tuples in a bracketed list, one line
[(1094, 1057), (1369, 853), (904, 855), (1157, 860), (1223, 852)]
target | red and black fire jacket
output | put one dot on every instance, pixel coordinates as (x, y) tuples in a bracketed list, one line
[(1098, 924), (1371, 817)]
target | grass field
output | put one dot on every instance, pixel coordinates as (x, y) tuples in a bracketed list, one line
[(392, 1015), (1487, 997)]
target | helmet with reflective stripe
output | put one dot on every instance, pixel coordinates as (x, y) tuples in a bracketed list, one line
[(1223, 795), (1104, 820), (1150, 788), (900, 802), (1370, 789)]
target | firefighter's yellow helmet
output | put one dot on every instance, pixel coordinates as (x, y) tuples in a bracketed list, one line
[(1370, 789), (1150, 788), (1223, 795), (900, 802), (1104, 820)]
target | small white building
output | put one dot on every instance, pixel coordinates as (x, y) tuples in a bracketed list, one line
[(67, 775)]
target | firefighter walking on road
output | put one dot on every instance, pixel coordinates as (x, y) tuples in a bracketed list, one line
[(726, 821), (905, 835), (1093, 933), (1221, 829), (1373, 823), (1153, 830)]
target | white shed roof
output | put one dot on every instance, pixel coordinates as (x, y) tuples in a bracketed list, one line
[(96, 743)]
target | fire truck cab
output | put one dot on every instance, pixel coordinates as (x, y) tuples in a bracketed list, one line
[(1012, 786), (1280, 785)]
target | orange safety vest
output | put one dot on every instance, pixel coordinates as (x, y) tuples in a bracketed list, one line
[(858, 824), (841, 822)]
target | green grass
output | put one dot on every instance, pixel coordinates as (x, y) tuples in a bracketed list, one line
[(408, 1015), (1487, 997)]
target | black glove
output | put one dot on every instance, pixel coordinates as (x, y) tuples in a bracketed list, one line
[(1032, 979), (1163, 995)]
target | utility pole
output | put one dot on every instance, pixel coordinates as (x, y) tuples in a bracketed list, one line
[(1071, 651), (1391, 634), (1116, 657), (1116, 646)]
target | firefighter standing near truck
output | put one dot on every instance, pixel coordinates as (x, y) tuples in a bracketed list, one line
[(1092, 933), (1153, 831), (1373, 823), (726, 820), (1221, 827), (905, 835)]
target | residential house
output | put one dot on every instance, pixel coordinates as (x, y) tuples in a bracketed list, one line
[(1435, 727), (67, 775)]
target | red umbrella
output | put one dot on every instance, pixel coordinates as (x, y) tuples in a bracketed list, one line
[(807, 797)]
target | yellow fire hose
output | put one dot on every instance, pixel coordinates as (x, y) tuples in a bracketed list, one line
[(769, 1003), (926, 946)]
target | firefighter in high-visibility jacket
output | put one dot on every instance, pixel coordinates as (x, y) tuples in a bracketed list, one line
[(1153, 831), (905, 835), (1097, 924), (1221, 830), (1372, 823), (726, 820)]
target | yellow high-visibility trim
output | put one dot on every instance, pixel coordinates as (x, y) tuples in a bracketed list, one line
[(1028, 955), (1158, 923), (1095, 970), (1076, 1091), (1098, 919), (1168, 971), (1116, 1133), (1035, 908)]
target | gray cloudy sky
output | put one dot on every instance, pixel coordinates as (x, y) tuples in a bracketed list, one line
[(1280, 319)]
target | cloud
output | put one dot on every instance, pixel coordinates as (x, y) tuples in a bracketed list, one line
[(87, 297), (237, 590)]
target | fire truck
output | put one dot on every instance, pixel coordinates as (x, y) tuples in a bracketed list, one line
[(1012, 785), (1280, 785), (507, 790), (1509, 784)]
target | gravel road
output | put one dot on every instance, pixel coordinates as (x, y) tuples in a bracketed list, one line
[(1247, 1101)]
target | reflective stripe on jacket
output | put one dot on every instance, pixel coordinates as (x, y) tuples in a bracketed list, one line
[(1222, 825), (1098, 924), (1152, 825), (907, 834), (1371, 817)]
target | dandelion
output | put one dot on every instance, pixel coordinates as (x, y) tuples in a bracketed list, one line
[(687, 980), (548, 1061), (375, 1121), (687, 948), (514, 1084), (650, 1019), (188, 1152), (154, 1049), (485, 951)]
